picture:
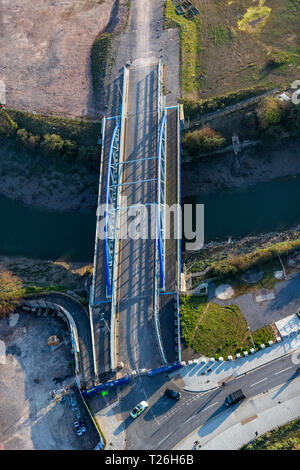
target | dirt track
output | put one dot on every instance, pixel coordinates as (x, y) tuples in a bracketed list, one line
[(45, 53)]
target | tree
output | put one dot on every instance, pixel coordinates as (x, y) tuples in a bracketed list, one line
[(203, 140)]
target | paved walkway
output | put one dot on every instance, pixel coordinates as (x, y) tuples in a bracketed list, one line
[(233, 429), (206, 376), (286, 302), (111, 427)]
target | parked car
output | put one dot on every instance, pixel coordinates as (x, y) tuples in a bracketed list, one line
[(139, 409), (172, 394), (298, 369), (78, 428), (82, 426), (234, 397), (73, 403)]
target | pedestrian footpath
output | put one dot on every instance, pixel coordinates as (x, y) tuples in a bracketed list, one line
[(234, 428), (207, 375)]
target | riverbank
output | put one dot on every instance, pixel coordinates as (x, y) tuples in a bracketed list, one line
[(44, 273), (230, 248), (259, 164), (47, 183)]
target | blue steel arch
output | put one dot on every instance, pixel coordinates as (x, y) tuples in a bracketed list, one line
[(161, 153), (110, 198)]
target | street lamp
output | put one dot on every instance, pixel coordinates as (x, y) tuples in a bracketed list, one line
[(102, 318)]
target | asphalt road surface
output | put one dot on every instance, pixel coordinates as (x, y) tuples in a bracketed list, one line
[(135, 285), (166, 422)]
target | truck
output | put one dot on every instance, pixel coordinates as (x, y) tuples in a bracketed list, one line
[(234, 397)]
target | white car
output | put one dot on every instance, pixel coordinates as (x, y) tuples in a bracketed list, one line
[(138, 409)]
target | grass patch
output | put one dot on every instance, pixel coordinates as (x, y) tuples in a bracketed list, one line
[(255, 18), (222, 331), (99, 59), (188, 32), (234, 43), (285, 437)]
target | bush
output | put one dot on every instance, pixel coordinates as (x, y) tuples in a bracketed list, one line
[(99, 53), (194, 109), (202, 141), (270, 112), (277, 59), (7, 126)]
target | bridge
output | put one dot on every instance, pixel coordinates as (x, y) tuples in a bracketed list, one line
[(134, 302)]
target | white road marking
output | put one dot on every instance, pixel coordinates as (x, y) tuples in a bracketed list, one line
[(266, 378), (283, 370), (210, 406)]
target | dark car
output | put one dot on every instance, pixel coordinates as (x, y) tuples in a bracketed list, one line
[(172, 394), (234, 397)]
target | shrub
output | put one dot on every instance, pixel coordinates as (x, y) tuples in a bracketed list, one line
[(7, 126), (99, 53), (269, 112), (52, 144), (202, 141)]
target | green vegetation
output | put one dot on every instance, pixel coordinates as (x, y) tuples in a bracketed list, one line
[(255, 18), (238, 264), (188, 32), (54, 137), (202, 141), (286, 437), (233, 45), (213, 330), (194, 109), (99, 59), (10, 292)]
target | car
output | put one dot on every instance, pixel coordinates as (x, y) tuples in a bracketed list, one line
[(73, 403), (298, 369), (172, 394), (139, 409), (82, 426), (78, 428), (234, 397)]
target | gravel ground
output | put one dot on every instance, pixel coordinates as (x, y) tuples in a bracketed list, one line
[(45, 53), (29, 418)]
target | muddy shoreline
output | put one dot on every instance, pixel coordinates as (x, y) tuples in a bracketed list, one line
[(38, 182), (259, 164)]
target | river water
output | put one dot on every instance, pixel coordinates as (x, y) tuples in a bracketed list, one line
[(45, 234), (264, 207)]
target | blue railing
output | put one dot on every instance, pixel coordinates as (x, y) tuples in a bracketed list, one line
[(106, 386)]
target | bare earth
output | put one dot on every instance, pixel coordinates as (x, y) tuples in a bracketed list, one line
[(45, 53), (29, 418)]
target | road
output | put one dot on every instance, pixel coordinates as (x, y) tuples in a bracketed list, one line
[(135, 284), (166, 422)]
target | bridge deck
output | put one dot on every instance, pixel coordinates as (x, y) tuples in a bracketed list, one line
[(135, 286)]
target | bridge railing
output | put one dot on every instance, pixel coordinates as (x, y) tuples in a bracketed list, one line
[(159, 251)]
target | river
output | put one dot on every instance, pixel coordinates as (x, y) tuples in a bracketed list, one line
[(45, 234), (264, 207)]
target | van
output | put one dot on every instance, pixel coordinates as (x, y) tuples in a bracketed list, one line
[(234, 397)]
